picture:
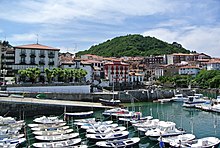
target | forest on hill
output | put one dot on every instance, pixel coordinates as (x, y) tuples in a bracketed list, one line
[(134, 45)]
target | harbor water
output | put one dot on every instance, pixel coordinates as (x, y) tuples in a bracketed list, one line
[(194, 121)]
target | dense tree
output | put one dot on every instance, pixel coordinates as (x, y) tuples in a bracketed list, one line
[(133, 45), (31, 73)]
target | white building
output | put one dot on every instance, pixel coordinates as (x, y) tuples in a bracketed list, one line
[(36, 55), (213, 65), (189, 70)]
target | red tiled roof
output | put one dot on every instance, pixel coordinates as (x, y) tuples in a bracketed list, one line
[(36, 46)]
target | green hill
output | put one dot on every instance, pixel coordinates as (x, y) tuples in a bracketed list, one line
[(134, 45)]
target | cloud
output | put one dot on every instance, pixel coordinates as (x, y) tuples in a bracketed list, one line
[(41, 11), (203, 39), (23, 37)]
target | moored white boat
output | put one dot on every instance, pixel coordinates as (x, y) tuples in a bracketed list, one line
[(46, 125), (63, 143), (10, 143), (98, 126), (105, 129), (216, 108), (176, 139), (207, 142), (122, 143), (109, 136), (179, 98), (57, 137), (111, 102), (49, 128), (57, 132), (193, 101), (80, 114), (164, 129), (48, 120)]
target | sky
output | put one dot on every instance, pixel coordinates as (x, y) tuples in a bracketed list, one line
[(76, 25)]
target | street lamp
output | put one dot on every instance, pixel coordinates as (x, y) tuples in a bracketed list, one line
[(4, 72)]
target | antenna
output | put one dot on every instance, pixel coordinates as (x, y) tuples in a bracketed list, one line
[(37, 38)]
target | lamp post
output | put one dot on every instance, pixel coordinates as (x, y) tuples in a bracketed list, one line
[(3, 72)]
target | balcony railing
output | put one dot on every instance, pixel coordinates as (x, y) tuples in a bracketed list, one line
[(51, 63), (42, 55), (23, 54), (33, 55), (51, 55), (41, 62)]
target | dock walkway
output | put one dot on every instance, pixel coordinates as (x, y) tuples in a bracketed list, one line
[(51, 102)]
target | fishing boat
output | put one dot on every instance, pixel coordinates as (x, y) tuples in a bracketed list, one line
[(111, 102), (56, 132), (48, 120), (105, 129), (179, 98), (57, 137), (63, 143), (49, 128), (109, 136), (44, 126), (122, 143), (80, 114), (207, 142), (175, 139), (164, 129)]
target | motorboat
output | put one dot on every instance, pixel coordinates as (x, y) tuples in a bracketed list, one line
[(147, 124), (95, 124), (109, 136), (105, 129), (216, 108), (80, 114), (7, 120), (85, 120), (135, 119), (99, 126), (207, 142), (48, 120), (111, 102), (57, 137), (176, 139), (193, 101), (56, 132), (121, 143), (49, 128), (179, 98), (164, 129), (9, 143), (63, 143), (112, 111), (44, 126)]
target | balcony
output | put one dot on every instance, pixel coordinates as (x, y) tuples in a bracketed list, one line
[(51, 63), (51, 55), (33, 55), (22, 62), (23, 54), (32, 63), (42, 55), (41, 62)]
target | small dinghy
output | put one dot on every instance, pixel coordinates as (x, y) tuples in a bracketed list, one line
[(104, 129), (122, 143), (207, 142), (109, 136), (64, 143), (49, 128), (57, 137), (46, 125), (57, 132), (48, 120)]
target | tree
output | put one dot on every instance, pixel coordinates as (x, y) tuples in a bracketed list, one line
[(80, 73), (33, 74), (49, 74)]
